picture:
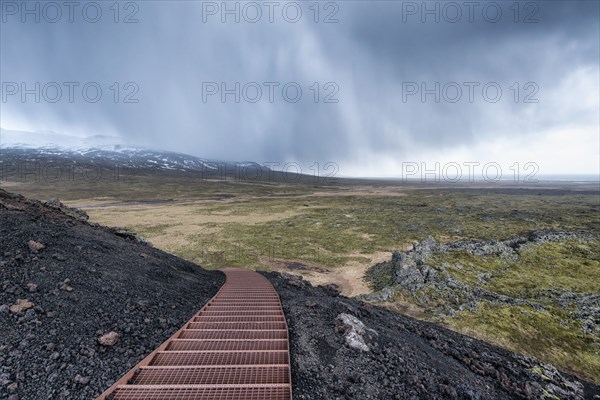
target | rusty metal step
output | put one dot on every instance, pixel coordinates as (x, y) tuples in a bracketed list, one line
[(243, 335), (239, 318), (246, 295), (236, 312), (237, 326), (231, 375), (133, 392), (245, 303), (220, 358), (227, 345), (245, 307)]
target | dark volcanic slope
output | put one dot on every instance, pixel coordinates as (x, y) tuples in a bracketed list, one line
[(90, 281), (407, 359)]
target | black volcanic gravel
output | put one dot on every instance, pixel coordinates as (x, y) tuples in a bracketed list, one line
[(90, 281), (408, 359)]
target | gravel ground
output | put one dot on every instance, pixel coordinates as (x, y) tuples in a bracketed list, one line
[(85, 282), (400, 357)]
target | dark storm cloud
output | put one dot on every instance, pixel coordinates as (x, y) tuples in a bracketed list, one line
[(371, 54)]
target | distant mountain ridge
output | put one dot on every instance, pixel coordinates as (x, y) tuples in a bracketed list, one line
[(109, 152), (50, 139)]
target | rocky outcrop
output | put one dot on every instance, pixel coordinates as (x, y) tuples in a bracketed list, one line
[(587, 306), (354, 331), (72, 212), (424, 281)]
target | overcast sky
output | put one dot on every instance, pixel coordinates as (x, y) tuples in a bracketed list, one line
[(362, 68)]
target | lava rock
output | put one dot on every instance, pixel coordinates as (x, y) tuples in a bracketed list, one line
[(20, 306), (109, 339), (35, 246), (353, 330)]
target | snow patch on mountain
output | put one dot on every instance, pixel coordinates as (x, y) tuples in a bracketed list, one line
[(100, 149), (53, 140)]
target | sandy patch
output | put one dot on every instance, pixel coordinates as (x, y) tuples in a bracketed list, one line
[(11, 184), (363, 191), (349, 278), (178, 214), (171, 227)]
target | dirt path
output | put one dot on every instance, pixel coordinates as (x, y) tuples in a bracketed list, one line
[(349, 278)]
